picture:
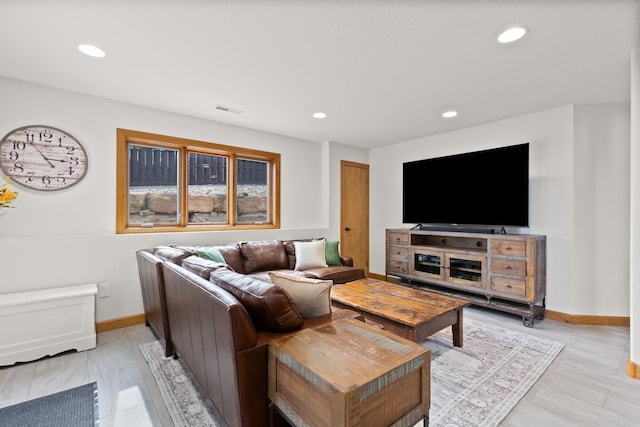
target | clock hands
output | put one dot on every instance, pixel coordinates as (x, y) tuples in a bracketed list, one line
[(42, 154)]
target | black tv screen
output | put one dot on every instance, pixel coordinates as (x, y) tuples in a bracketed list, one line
[(489, 187)]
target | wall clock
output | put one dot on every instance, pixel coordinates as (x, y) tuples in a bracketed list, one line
[(42, 158)]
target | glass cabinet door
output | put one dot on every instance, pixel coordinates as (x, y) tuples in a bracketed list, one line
[(426, 263), (465, 269)]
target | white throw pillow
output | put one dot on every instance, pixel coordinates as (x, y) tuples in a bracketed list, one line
[(312, 296), (309, 255)]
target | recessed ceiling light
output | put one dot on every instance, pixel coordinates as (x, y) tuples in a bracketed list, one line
[(512, 34), (91, 50), (319, 115), (449, 114)]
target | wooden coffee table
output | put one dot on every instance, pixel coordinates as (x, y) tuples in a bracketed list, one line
[(408, 312)]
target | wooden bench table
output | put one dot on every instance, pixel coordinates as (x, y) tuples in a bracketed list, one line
[(410, 313), (347, 373)]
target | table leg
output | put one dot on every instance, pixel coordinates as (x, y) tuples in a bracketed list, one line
[(456, 329)]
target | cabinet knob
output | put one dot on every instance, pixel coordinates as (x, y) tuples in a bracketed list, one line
[(507, 266), (508, 286)]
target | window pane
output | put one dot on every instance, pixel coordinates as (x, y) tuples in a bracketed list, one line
[(207, 189), (153, 185), (252, 192)]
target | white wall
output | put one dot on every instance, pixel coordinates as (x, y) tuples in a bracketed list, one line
[(579, 196), (601, 220), (68, 237), (558, 203)]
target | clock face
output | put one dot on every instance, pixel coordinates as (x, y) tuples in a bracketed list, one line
[(42, 158)]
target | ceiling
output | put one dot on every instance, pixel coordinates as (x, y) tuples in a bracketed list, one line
[(383, 71)]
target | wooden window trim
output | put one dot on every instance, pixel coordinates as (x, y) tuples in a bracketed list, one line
[(185, 146)]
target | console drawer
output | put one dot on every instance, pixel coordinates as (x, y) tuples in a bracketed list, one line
[(509, 285), (401, 238), (398, 266), (514, 267), (508, 247), (398, 252)]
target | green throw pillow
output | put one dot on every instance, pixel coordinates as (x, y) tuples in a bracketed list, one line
[(211, 253), (331, 253)]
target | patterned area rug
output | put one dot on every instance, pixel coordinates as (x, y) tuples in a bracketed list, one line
[(476, 385), (186, 405)]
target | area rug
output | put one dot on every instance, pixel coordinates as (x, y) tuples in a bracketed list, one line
[(77, 407), (184, 402), (476, 385)]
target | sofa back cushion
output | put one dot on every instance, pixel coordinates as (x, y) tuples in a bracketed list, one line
[(232, 256), (172, 254), (201, 266), (263, 255), (269, 306)]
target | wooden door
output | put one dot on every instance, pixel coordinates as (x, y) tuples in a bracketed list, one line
[(354, 212)]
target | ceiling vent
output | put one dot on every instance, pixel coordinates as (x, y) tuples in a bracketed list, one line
[(229, 109)]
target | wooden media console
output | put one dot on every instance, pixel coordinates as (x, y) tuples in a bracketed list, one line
[(505, 272)]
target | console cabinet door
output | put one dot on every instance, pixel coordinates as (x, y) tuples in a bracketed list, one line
[(468, 270), (427, 263)]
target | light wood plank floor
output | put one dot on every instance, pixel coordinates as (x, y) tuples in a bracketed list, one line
[(586, 385)]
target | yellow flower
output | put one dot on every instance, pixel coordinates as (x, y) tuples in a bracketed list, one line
[(6, 195)]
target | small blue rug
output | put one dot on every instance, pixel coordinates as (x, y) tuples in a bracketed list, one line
[(76, 407)]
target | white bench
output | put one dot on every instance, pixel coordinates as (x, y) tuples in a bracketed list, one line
[(39, 323)]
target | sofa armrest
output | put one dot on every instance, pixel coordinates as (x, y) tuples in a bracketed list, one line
[(153, 295), (346, 260)]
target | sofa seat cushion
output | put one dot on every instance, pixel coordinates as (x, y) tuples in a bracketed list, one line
[(339, 274), (264, 255), (265, 275), (312, 296), (269, 306)]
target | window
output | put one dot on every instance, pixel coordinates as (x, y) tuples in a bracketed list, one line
[(168, 184)]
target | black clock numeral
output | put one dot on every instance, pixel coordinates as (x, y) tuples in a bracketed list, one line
[(74, 161), (46, 136), (18, 167), (46, 180), (31, 175), (19, 145), (70, 149), (70, 170), (61, 179), (13, 155)]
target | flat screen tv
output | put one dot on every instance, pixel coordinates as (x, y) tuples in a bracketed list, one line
[(481, 188)]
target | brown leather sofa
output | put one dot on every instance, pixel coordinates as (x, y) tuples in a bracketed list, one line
[(219, 318)]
